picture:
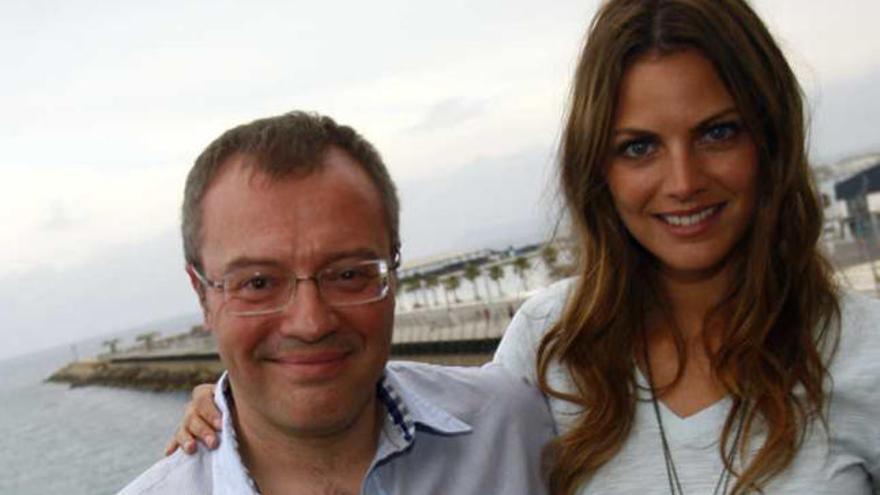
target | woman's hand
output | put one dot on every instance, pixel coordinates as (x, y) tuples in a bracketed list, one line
[(201, 421)]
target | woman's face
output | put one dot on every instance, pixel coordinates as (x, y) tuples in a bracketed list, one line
[(683, 167)]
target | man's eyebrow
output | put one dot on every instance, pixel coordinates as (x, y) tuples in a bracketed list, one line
[(248, 261), (357, 253)]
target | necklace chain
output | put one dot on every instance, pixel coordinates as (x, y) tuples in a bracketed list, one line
[(675, 488)]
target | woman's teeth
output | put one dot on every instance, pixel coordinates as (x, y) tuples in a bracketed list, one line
[(688, 220)]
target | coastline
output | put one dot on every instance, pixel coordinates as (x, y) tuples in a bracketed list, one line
[(147, 374)]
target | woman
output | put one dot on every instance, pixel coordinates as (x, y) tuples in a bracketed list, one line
[(696, 351), (704, 347)]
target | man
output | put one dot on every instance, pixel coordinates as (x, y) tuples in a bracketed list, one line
[(290, 228)]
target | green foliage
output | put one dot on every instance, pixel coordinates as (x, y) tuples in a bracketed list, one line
[(550, 255), (521, 266)]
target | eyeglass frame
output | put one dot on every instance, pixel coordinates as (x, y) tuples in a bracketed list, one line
[(386, 271)]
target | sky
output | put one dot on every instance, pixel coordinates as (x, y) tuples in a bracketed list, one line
[(106, 104)]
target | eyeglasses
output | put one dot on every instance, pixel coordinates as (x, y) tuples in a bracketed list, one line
[(267, 290)]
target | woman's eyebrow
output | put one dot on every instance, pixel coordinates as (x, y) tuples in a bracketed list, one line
[(631, 131), (730, 111)]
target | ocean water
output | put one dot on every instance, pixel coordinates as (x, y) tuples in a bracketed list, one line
[(90, 440)]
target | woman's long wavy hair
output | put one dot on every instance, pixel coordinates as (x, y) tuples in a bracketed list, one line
[(781, 309)]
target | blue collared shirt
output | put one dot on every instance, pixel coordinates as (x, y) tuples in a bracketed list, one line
[(447, 431)]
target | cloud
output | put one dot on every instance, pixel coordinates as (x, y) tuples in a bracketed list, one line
[(450, 112), (63, 214), (110, 104), (825, 41), (59, 218), (846, 117), (119, 287), (492, 202)]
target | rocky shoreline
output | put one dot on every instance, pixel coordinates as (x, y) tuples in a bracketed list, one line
[(163, 375), (158, 376)]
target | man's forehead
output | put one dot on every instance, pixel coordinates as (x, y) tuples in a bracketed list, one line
[(334, 208), (259, 171)]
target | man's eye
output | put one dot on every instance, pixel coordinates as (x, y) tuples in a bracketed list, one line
[(347, 274), (258, 283), (350, 278)]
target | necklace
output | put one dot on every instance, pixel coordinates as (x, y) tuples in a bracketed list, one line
[(675, 488)]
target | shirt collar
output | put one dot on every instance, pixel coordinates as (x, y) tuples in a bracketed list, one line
[(409, 412), (230, 476)]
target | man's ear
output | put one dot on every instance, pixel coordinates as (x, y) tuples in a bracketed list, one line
[(393, 285), (199, 288)]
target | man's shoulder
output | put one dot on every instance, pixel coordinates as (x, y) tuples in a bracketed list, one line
[(468, 392), (178, 473)]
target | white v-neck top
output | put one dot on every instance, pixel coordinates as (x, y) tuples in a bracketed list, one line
[(845, 462)]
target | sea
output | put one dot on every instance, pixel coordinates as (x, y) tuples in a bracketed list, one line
[(57, 440)]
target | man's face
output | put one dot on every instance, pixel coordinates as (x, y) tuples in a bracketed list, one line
[(310, 369)]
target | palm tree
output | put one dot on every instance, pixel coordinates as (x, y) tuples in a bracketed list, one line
[(521, 267), (550, 256), (431, 282), (147, 338), (112, 345), (496, 273), (413, 285), (451, 283), (472, 272), (486, 283)]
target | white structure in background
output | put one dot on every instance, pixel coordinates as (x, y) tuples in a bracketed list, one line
[(519, 272), (837, 217), (489, 287), (851, 194)]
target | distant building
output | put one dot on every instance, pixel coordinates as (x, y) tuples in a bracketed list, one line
[(849, 190), (445, 263)]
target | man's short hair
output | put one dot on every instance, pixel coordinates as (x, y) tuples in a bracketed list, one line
[(281, 146)]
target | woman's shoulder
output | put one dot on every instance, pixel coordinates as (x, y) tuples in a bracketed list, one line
[(518, 348), (859, 322), (548, 302), (858, 341), (858, 312), (854, 376), (538, 313)]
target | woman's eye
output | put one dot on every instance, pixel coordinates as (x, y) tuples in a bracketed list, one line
[(721, 132), (637, 148)]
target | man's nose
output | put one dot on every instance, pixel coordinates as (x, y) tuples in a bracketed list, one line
[(685, 177), (306, 316)]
